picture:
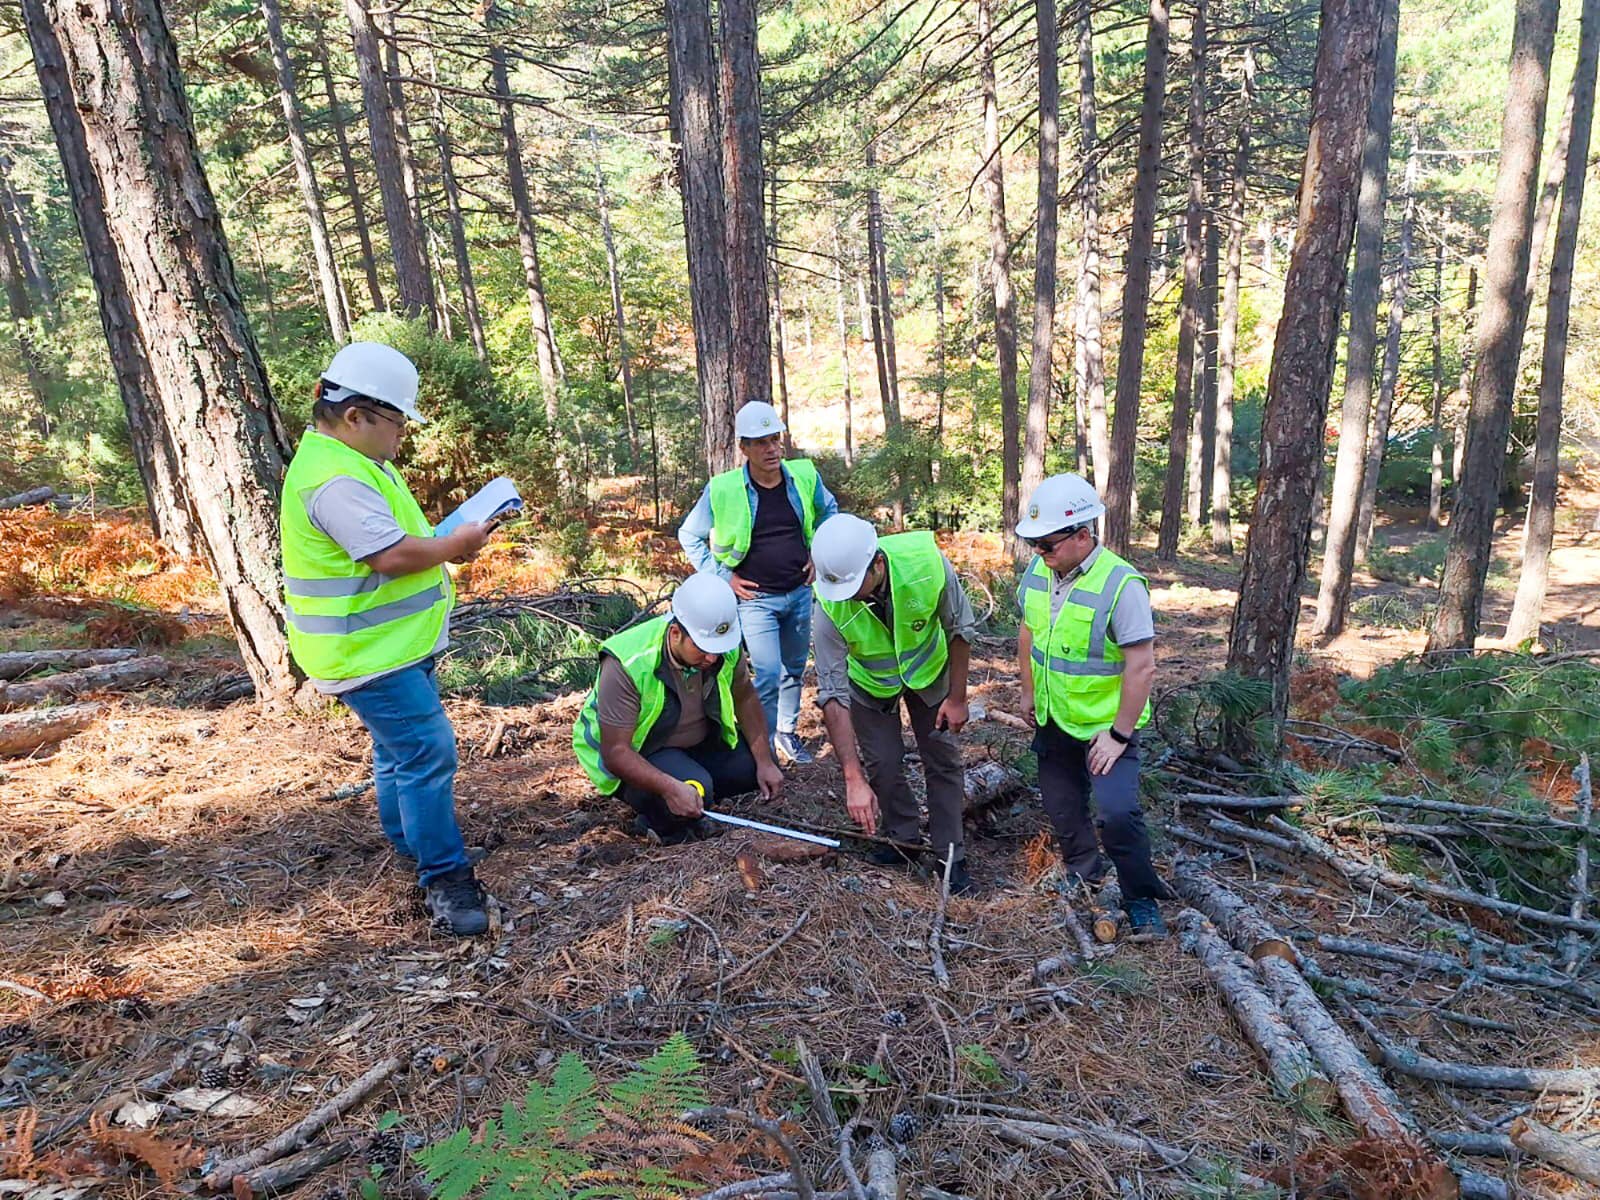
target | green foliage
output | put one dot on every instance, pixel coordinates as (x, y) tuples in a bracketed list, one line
[(978, 1065), (546, 1148), (1210, 711), (1391, 612), (1423, 561), (1118, 978), (513, 661)]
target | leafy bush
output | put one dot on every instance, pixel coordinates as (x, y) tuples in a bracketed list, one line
[(1425, 560), (1391, 612)]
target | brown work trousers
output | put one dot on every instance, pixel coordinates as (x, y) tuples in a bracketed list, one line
[(881, 741)]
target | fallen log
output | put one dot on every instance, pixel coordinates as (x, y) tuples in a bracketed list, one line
[(1246, 928), (38, 495), (990, 782), (1443, 964), (1557, 1149), (1466, 1141), (1566, 1081), (71, 684), (1106, 905), (287, 1173), (34, 728), (14, 664), (1289, 1064), (297, 1135), (1369, 873)]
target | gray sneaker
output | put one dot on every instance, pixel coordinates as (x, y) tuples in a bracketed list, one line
[(457, 904), (791, 751)]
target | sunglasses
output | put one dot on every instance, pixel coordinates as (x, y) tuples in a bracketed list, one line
[(1044, 545)]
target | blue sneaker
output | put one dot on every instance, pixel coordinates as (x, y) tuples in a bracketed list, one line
[(1144, 918), (791, 751)]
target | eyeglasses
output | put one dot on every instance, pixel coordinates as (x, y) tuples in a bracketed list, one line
[(1044, 545), (392, 416)]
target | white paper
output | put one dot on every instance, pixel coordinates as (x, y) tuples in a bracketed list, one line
[(494, 499)]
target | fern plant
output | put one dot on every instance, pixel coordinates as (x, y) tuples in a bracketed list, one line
[(568, 1141)]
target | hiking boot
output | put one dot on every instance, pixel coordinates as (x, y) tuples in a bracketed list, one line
[(791, 751), (676, 836), (961, 881), (890, 856), (457, 904), (1144, 919)]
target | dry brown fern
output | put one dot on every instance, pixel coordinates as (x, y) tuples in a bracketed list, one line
[(171, 1161), (17, 1157)]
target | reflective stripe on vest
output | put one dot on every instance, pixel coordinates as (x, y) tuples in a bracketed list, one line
[(733, 518), (345, 619), (1077, 670), (639, 650), (914, 655)]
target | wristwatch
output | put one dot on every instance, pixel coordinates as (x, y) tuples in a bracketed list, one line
[(1122, 739)]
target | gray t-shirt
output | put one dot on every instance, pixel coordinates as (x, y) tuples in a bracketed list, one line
[(832, 652), (1132, 620), (617, 699), (355, 515)]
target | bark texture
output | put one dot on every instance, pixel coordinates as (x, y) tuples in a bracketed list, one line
[(1040, 373), (347, 165), (458, 229), (882, 310), (1228, 330), (1091, 345), (1005, 310), (743, 184), (25, 732)]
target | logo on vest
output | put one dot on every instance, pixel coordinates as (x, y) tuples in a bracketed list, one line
[(916, 626)]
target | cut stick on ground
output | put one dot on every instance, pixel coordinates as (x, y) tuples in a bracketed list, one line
[(1369, 873), (1485, 813), (1475, 1142), (1444, 964), (1567, 1081), (941, 973), (71, 684), (817, 1084), (302, 1131), (1107, 907), (1246, 928), (988, 782), (1289, 1064), (1557, 1149), (14, 664), (1580, 871), (287, 1173), (33, 729)]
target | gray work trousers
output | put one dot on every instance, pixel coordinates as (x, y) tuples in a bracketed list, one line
[(882, 746)]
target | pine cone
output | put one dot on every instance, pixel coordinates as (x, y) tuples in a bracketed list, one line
[(226, 1075), (385, 1149), (894, 1019), (214, 1076), (904, 1126)]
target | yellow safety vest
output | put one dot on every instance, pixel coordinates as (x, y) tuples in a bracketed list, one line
[(883, 663)]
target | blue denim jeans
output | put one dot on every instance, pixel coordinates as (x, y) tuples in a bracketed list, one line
[(777, 636), (413, 767)]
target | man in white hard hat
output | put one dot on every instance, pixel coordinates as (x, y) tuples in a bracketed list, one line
[(893, 626), (1086, 654), (369, 610), (673, 721), (753, 526)]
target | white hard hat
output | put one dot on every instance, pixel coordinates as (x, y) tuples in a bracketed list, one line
[(1060, 502), (757, 420), (706, 607), (841, 551), (379, 373)]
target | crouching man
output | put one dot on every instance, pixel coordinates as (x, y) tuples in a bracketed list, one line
[(673, 720)]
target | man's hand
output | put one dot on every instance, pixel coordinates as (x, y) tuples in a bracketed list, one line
[(1030, 713), (861, 802), (769, 779), (1104, 751), (470, 539), (683, 800), (811, 572), (953, 715), (742, 587)]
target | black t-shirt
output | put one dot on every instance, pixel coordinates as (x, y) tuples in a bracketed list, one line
[(778, 555)]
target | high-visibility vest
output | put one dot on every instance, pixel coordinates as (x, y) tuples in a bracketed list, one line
[(640, 651), (345, 619), (733, 517), (911, 657), (1077, 667)]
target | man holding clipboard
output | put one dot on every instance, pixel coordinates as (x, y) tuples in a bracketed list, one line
[(369, 610)]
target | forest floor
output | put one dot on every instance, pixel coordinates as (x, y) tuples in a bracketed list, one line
[(204, 885)]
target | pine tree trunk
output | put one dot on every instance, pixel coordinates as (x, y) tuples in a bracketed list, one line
[(1228, 332), (614, 277), (1436, 431), (941, 336), (527, 240), (1172, 496), (779, 342), (458, 229), (1261, 644), (1458, 447), (1539, 530), (695, 123), (844, 351), (347, 164), (743, 184), (122, 65), (16, 217), (1136, 286), (405, 237), (878, 300), (1378, 443), (1091, 347), (1202, 460), (14, 283), (306, 175), (438, 317), (1551, 188), (1366, 282), (153, 452), (1040, 374), (1500, 329), (1005, 312)]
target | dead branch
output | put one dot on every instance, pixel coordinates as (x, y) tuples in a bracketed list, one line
[(14, 664), (30, 730), (1477, 1143), (1476, 812), (71, 684), (302, 1131), (757, 959), (38, 495), (1569, 1081), (773, 1129), (845, 1144), (1444, 964), (817, 1085), (1580, 870), (749, 1187), (1107, 909), (288, 1172), (988, 782), (1557, 1149), (882, 1182), (941, 973)]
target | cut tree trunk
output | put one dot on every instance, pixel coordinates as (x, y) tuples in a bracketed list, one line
[(1228, 331), (1240, 923), (1262, 638), (1005, 315), (14, 664), (1539, 528), (1574, 1157), (743, 185), (405, 238), (1366, 281), (1172, 494), (347, 165), (1500, 330), (25, 732), (333, 305), (1041, 378), (458, 227), (121, 63), (1289, 1064), (117, 676), (1091, 347), (1119, 490)]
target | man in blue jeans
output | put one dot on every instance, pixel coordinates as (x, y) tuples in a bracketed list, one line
[(369, 610), (753, 526)]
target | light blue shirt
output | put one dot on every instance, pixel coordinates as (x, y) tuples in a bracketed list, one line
[(694, 535)]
